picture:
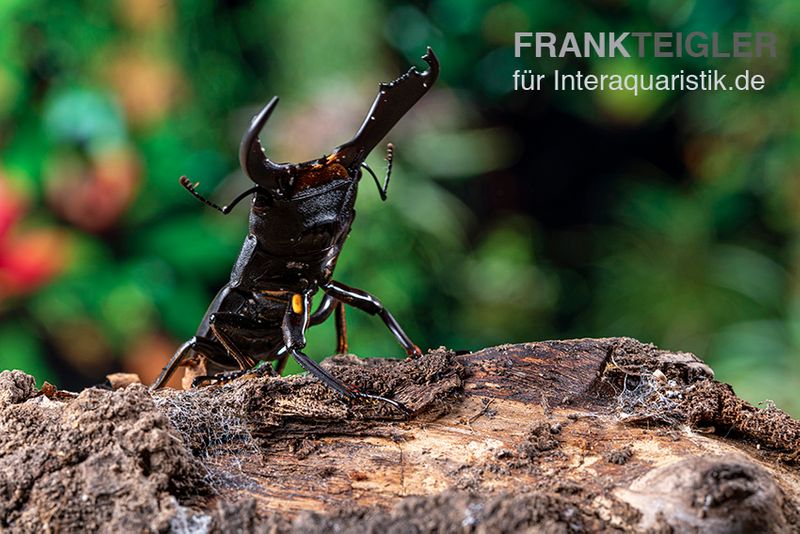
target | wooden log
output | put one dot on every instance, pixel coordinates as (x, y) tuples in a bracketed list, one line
[(591, 434)]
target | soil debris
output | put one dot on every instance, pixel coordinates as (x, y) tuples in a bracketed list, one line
[(619, 456), (714, 404), (464, 512), (106, 460), (519, 437), (538, 440), (16, 387), (655, 386), (122, 380)]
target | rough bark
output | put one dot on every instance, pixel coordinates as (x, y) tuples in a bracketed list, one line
[(581, 435)]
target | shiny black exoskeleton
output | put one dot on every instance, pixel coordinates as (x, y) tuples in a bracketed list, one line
[(301, 215)]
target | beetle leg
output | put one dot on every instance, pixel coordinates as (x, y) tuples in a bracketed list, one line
[(197, 343), (326, 307), (280, 363), (348, 392), (218, 322), (341, 329), (229, 376), (219, 378), (370, 304), (323, 311), (294, 327)]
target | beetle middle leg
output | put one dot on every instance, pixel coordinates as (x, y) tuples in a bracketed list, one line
[(327, 306), (341, 329), (370, 304)]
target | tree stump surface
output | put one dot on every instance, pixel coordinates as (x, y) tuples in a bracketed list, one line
[(557, 436)]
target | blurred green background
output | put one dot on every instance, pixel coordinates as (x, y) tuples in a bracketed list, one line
[(669, 217)]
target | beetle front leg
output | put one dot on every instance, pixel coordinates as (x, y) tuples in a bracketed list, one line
[(294, 327), (370, 304)]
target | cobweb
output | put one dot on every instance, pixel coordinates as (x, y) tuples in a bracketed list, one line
[(647, 395), (216, 430)]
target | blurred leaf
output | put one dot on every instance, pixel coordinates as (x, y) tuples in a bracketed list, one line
[(462, 154), (83, 116), (20, 350)]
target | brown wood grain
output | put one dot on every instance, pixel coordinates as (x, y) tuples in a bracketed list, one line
[(535, 417)]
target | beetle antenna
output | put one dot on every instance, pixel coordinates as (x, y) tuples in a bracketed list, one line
[(389, 158), (192, 188)]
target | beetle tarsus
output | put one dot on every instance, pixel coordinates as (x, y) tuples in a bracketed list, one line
[(414, 353), (219, 378)]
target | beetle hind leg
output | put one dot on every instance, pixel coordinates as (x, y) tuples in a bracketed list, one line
[(229, 326), (197, 343), (238, 335), (341, 329)]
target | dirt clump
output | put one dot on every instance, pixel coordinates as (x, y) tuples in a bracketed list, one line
[(105, 460), (652, 385), (16, 387), (619, 456), (539, 439), (627, 356), (714, 404), (464, 512)]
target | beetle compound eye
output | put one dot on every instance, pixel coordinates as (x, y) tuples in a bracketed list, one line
[(297, 303)]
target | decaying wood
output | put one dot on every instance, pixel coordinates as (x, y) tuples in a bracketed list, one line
[(606, 434)]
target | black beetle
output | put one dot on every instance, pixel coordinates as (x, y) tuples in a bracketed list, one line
[(301, 215)]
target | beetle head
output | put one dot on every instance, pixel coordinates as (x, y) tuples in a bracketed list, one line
[(392, 103)]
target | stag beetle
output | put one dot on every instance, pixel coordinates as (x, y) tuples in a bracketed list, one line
[(300, 216)]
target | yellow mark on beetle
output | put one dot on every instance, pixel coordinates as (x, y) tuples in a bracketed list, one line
[(297, 303)]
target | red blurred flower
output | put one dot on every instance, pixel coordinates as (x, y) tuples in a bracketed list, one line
[(29, 258), (11, 207)]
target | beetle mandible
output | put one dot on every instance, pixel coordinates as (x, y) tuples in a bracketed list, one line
[(300, 216)]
